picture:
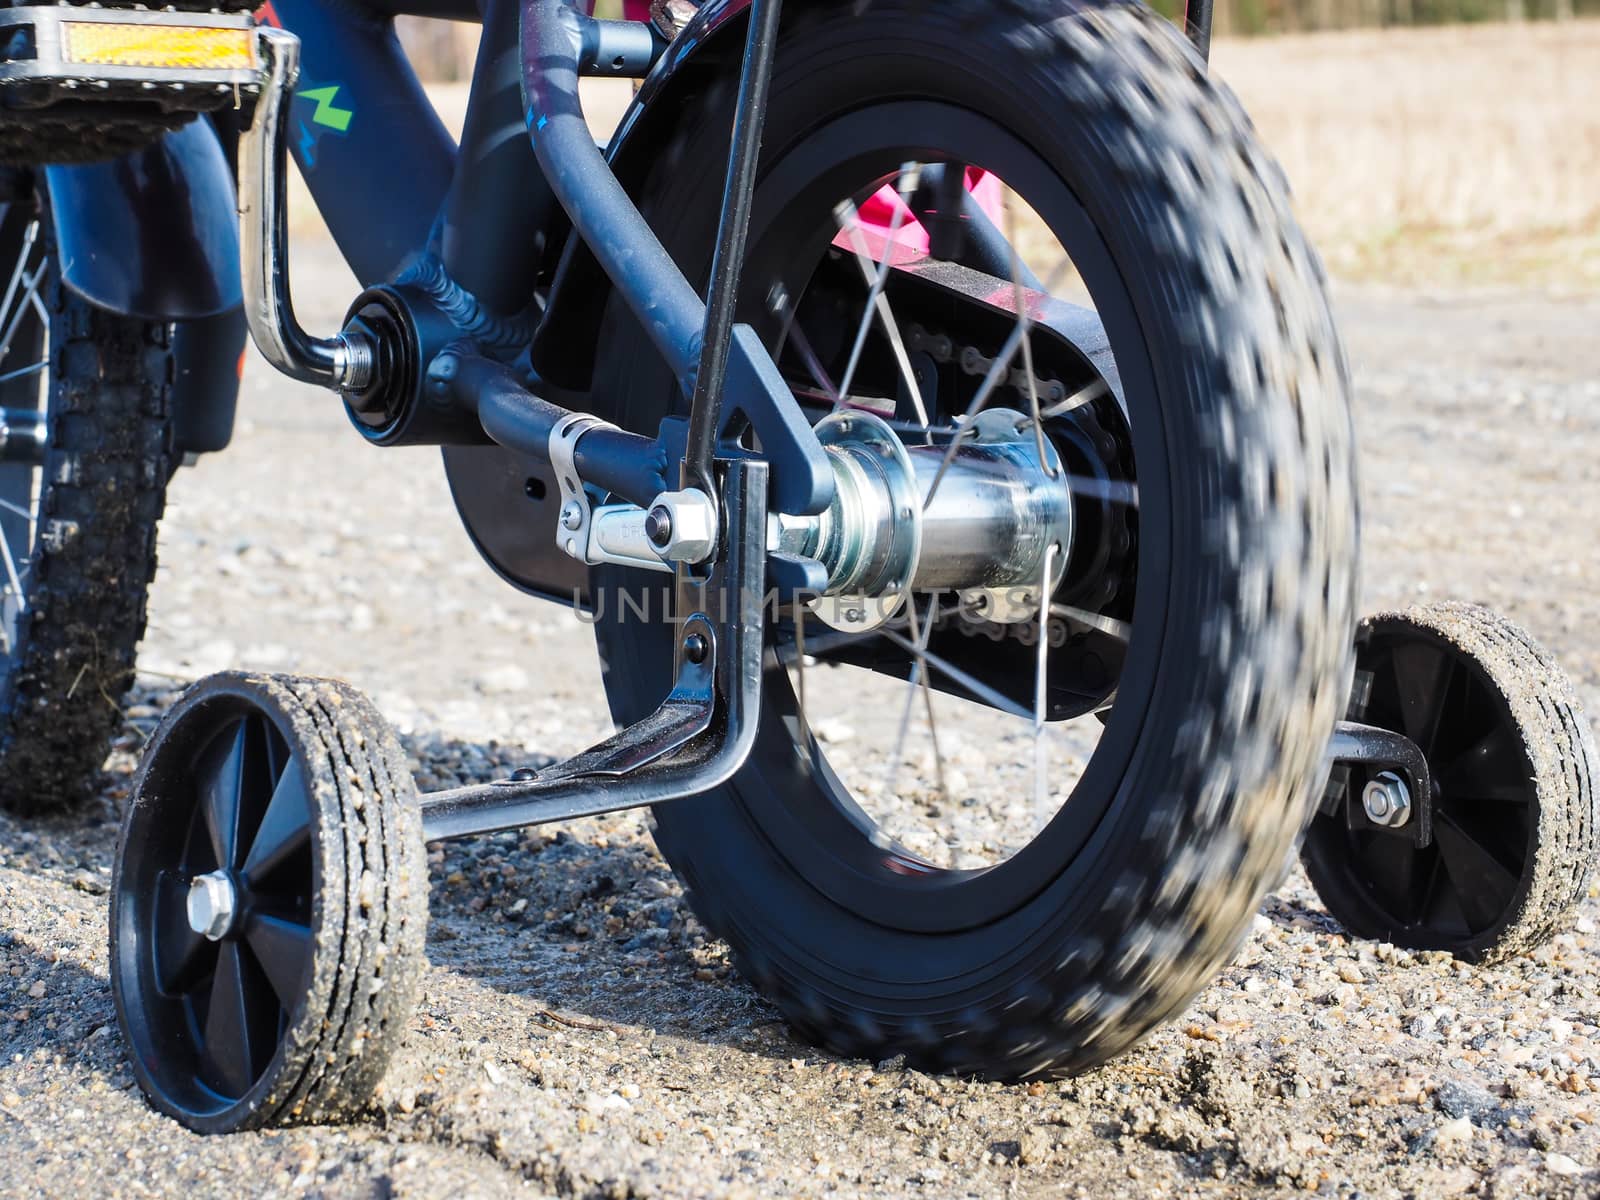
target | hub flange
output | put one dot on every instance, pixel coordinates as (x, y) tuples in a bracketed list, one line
[(977, 517)]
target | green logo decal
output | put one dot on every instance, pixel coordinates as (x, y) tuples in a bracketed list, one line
[(326, 113)]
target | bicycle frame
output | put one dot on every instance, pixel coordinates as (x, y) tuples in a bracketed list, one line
[(466, 243)]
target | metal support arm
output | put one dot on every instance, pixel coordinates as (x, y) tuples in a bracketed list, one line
[(1371, 746), (702, 733), (666, 305)]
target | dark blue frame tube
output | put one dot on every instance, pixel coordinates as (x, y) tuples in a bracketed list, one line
[(380, 180)]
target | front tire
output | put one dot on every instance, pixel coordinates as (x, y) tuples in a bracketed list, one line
[(80, 523)]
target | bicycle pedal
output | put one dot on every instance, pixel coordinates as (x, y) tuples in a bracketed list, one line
[(174, 62)]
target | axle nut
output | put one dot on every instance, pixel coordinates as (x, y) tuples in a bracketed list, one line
[(690, 519), (658, 526), (1387, 800), (210, 904)]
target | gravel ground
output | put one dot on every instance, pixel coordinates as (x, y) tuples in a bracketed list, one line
[(579, 1034)]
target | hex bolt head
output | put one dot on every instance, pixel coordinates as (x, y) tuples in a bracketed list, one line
[(690, 521), (210, 904), (695, 648), (1387, 800)]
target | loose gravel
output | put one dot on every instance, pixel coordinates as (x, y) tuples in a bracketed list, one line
[(580, 1034)]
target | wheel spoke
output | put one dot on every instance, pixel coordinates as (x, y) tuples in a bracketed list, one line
[(876, 276), (19, 270), (1394, 869), (1492, 768), (999, 371), (1019, 300), (232, 1028), (1084, 395), (30, 299), (1483, 885), (1041, 688), (221, 779), (284, 829), (1442, 913), (283, 949), (917, 682), (1110, 626), (21, 371), (976, 686), (183, 958), (1422, 677), (781, 307), (800, 670), (15, 582)]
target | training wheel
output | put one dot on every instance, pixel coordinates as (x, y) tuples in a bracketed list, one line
[(1514, 804), (269, 904)]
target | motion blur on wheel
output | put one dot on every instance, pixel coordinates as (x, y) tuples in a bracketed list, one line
[(938, 411)]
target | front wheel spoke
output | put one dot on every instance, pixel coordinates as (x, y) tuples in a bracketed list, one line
[(221, 787), (233, 1026), (1019, 298), (30, 300), (32, 369), (783, 308), (19, 271), (11, 571), (999, 370), (282, 948)]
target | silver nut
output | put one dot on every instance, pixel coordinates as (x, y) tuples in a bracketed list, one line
[(210, 904), (691, 518), (1387, 800)]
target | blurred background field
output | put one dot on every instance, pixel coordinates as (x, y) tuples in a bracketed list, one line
[(1446, 156), (1422, 156)]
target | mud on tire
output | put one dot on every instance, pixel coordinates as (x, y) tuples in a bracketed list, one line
[(100, 495)]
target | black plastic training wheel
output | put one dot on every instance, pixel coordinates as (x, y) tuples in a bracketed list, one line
[(1514, 807), (269, 905)]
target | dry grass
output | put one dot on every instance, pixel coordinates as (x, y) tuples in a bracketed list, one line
[(1442, 156), (1435, 157)]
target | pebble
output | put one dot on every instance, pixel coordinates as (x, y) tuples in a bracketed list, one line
[(704, 1088), (1562, 1164)]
